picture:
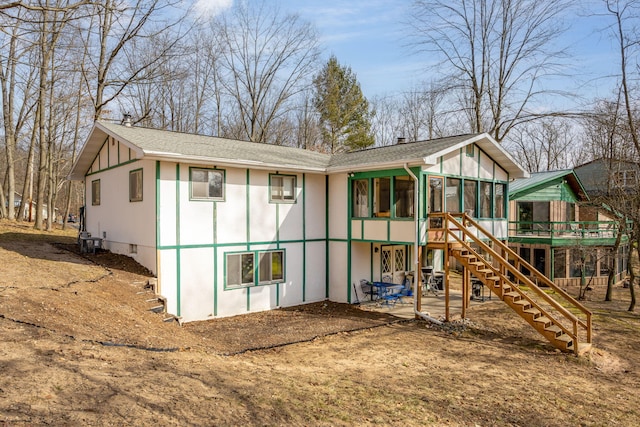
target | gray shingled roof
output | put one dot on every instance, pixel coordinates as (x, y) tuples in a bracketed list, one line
[(407, 152), (176, 146), (154, 141)]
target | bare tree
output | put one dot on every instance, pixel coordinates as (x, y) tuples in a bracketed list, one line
[(625, 15), (15, 108), (548, 144), (110, 38), (268, 59), (496, 53)]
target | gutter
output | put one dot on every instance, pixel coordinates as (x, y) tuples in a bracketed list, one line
[(416, 245)]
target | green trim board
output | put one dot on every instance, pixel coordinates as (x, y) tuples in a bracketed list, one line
[(178, 292), (113, 167), (326, 235), (242, 243), (304, 236)]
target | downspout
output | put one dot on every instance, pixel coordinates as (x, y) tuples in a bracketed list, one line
[(416, 245)]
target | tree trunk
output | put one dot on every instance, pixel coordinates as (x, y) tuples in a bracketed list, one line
[(27, 188), (632, 277), (614, 268)]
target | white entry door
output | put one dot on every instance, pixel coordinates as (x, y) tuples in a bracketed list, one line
[(393, 262)]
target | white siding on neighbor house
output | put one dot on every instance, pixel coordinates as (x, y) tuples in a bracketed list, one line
[(208, 230)]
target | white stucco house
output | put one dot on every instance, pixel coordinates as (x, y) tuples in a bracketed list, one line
[(232, 227)]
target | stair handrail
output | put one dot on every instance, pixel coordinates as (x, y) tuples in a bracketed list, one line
[(447, 216), (546, 281), (567, 314)]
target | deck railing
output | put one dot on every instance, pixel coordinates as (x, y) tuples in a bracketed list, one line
[(565, 230), (456, 229)]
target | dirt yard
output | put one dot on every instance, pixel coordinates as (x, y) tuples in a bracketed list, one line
[(78, 346)]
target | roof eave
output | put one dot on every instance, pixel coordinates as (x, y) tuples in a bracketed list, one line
[(374, 166), (92, 147), (242, 163)]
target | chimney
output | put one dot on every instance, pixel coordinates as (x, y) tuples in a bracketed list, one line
[(402, 140), (126, 119)]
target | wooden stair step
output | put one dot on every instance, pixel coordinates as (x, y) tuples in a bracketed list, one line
[(533, 311), (555, 329), (493, 278), (485, 271), (565, 339), (512, 294), (157, 309), (523, 303), (542, 319)]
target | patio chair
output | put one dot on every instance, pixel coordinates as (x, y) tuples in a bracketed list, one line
[(405, 291), (368, 289)]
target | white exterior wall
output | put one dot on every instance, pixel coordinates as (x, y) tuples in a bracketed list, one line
[(118, 221), (480, 167), (196, 235)]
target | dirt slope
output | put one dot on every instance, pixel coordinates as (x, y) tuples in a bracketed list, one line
[(79, 347)]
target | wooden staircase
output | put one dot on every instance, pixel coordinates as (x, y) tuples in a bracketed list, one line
[(561, 319), (156, 302)]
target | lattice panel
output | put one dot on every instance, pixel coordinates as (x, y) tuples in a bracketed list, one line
[(400, 261), (386, 261)]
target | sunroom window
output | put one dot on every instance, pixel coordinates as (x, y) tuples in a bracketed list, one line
[(403, 196), (360, 198), (382, 197)]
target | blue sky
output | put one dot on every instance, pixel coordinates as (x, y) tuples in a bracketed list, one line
[(370, 37)]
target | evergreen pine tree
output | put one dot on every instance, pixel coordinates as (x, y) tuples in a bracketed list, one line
[(345, 118)]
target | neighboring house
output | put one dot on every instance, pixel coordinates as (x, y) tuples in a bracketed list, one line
[(555, 229), (29, 212), (232, 227), (602, 177)]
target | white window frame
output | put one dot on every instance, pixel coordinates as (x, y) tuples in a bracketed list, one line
[(239, 272), (135, 186), (209, 173), (264, 255), (95, 192), (278, 189)]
